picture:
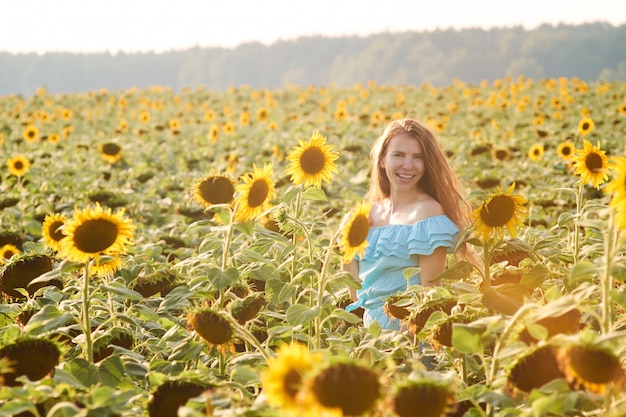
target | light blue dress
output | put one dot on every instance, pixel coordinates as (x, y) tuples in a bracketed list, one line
[(388, 254)]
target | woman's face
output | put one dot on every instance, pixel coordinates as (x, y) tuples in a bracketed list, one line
[(403, 163)]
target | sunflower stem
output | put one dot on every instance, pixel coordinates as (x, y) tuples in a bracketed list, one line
[(579, 203), (321, 288), (294, 239), (249, 337), (607, 279), (228, 239), (86, 320), (487, 266)]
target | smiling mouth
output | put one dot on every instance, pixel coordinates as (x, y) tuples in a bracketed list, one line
[(405, 176)]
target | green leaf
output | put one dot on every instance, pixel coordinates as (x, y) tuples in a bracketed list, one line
[(47, 319), (374, 329), (344, 315), (314, 193), (535, 277), (411, 271), (117, 289), (245, 375), (301, 314), (222, 279), (467, 338), (582, 271), (112, 371), (83, 372)]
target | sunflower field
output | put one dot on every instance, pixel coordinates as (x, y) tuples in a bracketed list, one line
[(178, 254)]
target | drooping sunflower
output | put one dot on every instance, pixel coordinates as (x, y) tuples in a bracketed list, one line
[(33, 358), (585, 126), (106, 265), (354, 232), (591, 164), (92, 232), (171, 395), (284, 378), (18, 165), (312, 161), (534, 369), (424, 398), (21, 270), (502, 210), (31, 134), (52, 230), (254, 194), (333, 388), (592, 368), (213, 189), (535, 153), (214, 328), (110, 152), (565, 150)]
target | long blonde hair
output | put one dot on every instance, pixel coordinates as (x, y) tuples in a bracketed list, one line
[(439, 180)]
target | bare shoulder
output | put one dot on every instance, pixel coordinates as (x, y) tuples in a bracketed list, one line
[(378, 214), (428, 207)]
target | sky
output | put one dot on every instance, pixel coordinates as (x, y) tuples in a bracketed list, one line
[(131, 26)]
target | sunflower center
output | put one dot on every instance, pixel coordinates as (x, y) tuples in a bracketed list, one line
[(217, 190), (585, 126), (358, 231), (18, 165), (501, 154), (566, 151), (258, 193), (312, 160), (593, 162), (292, 383), (31, 133), (95, 235), (55, 231), (111, 148), (498, 211)]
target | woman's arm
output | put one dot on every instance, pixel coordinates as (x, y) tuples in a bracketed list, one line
[(431, 266), (353, 268)]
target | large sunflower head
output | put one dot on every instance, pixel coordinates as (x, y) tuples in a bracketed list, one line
[(213, 189), (283, 379), (424, 398), (502, 210), (213, 327), (591, 164), (592, 368), (33, 358), (96, 231), (254, 194), (18, 166), (534, 369), (52, 230), (171, 395), (312, 161), (353, 239)]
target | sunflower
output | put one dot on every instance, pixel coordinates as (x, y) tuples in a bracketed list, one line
[(110, 152), (333, 388), (31, 134), (423, 398), (33, 358), (52, 230), (209, 115), (106, 265), (262, 114), (66, 114), (171, 395), (585, 126), (534, 369), (18, 166), (21, 270), (283, 379), (214, 132), (592, 368), (617, 187), (228, 128), (213, 189), (622, 109), (501, 210), (54, 138), (254, 194), (535, 153), (591, 164), (565, 150), (501, 154), (8, 250), (214, 328), (95, 231), (174, 125), (353, 239), (144, 116), (312, 161)]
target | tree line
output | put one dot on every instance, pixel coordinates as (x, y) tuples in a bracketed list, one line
[(593, 51)]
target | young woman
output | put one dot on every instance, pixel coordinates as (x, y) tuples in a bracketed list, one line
[(416, 216)]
